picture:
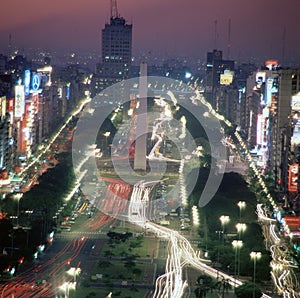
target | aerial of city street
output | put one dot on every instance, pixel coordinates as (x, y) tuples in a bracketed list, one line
[(151, 166)]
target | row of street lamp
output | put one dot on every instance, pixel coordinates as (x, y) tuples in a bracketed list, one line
[(238, 243)]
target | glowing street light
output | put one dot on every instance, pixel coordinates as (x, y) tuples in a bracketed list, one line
[(242, 206), (237, 245), (224, 220), (18, 196), (254, 255), (241, 228), (218, 256)]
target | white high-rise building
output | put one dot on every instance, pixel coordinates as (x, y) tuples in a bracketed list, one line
[(116, 52)]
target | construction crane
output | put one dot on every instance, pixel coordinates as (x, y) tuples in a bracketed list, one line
[(113, 9)]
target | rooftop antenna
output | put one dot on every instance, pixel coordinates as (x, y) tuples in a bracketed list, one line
[(239, 56), (229, 39), (283, 45), (216, 34), (113, 9), (9, 45)]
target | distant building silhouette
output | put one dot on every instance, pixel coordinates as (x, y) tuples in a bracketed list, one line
[(215, 66)]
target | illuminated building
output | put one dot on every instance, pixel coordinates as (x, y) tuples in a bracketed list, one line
[(215, 68), (116, 49), (287, 127), (227, 99), (272, 125), (116, 53), (43, 104), (29, 110), (5, 144)]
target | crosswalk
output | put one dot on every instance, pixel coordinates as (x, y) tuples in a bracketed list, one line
[(191, 241), (75, 234)]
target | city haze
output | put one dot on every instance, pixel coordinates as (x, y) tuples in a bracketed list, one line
[(258, 30)]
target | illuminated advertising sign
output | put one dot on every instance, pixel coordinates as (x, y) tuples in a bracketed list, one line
[(227, 77), (60, 92), (275, 85), (35, 82), (19, 100), (260, 77), (21, 139), (268, 94), (273, 106), (271, 64), (68, 91), (259, 130), (3, 110), (296, 132), (10, 106), (27, 82), (292, 221), (3, 106), (45, 76), (34, 103), (265, 113), (293, 178), (295, 102)]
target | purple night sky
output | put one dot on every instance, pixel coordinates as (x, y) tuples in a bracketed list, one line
[(175, 27)]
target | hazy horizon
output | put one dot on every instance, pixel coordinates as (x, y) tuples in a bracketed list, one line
[(259, 30)]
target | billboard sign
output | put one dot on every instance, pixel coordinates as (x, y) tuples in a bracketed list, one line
[(227, 77), (268, 94), (271, 64), (293, 178), (260, 77), (3, 106), (68, 90), (19, 100), (10, 106), (295, 102), (35, 82), (27, 82), (260, 130), (296, 132)]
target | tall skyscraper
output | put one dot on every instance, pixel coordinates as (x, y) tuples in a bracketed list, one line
[(116, 51)]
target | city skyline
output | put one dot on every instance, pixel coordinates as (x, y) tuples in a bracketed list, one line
[(258, 30)]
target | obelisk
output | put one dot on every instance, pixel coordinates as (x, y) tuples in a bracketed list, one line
[(141, 123)]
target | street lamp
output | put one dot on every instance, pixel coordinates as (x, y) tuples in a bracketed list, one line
[(254, 255), (242, 205), (241, 228), (18, 196), (237, 244), (218, 257), (224, 220)]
